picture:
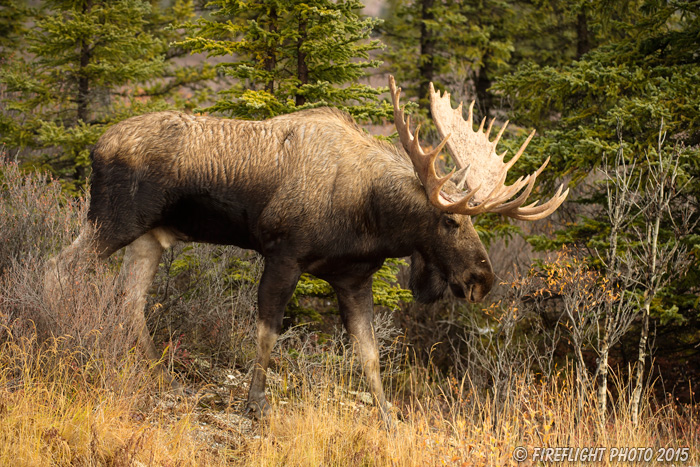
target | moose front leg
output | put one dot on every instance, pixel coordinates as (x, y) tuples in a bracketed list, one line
[(357, 312), (277, 285)]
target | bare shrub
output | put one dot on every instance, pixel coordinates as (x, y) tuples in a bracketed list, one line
[(86, 322), (659, 255), (576, 300), (499, 356), (89, 310), (35, 217), (556, 310)]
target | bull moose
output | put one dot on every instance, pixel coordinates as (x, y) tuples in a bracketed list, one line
[(311, 192)]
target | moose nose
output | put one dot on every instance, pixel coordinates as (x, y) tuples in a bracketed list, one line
[(481, 279), (488, 276)]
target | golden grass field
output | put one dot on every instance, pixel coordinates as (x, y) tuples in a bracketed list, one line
[(56, 408)]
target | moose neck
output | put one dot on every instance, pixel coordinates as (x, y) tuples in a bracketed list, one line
[(406, 215)]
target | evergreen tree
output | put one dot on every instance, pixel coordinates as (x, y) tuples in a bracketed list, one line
[(636, 81), (552, 32), (182, 83), (290, 55), (639, 80), (82, 56), (12, 15), (453, 43)]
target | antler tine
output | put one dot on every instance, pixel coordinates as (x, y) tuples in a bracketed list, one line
[(401, 124), (522, 181), (488, 130), (514, 205), (500, 133), (520, 152), (531, 213), (461, 175), (507, 192)]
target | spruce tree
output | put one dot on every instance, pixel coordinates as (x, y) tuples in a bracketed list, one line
[(554, 32), (12, 27), (457, 44), (183, 83), (637, 86), (640, 75), (284, 56), (82, 57)]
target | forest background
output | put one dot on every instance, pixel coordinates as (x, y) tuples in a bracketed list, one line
[(602, 298)]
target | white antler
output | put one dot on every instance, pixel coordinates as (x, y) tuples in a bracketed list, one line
[(482, 172), (476, 157)]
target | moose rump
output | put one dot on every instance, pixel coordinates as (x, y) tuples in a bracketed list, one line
[(169, 170)]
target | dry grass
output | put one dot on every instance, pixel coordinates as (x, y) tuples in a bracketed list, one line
[(56, 412), (442, 429), (74, 392)]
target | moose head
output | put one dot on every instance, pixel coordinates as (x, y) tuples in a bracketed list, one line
[(475, 186)]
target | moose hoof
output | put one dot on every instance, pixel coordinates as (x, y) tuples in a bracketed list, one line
[(389, 423), (181, 390), (258, 409)]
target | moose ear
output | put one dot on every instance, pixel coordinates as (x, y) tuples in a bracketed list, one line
[(426, 283)]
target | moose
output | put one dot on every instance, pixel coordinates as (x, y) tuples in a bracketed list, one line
[(311, 192)]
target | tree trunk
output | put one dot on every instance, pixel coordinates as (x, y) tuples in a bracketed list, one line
[(82, 98), (641, 363), (652, 239), (302, 66), (582, 381), (583, 41), (426, 65), (271, 59), (483, 83), (609, 321), (603, 370)]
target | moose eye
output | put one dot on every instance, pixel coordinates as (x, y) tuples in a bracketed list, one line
[(450, 222)]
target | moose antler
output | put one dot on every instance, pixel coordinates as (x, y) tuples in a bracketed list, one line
[(480, 168)]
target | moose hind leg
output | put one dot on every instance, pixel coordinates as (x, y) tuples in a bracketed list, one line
[(357, 312), (277, 285), (58, 268), (90, 237), (139, 267)]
